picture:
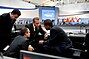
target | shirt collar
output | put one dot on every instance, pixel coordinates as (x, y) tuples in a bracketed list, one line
[(34, 27)]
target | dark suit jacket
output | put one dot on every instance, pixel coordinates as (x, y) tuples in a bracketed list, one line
[(6, 24), (58, 43), (34, 33), (34, 36), (15, 47)]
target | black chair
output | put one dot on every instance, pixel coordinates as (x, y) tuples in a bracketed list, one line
[(86, 45)]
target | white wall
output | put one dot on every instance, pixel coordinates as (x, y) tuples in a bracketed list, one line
[(16, 4), (29, 13), (19, 4), (75, 7), (24, 13), (71, 9)]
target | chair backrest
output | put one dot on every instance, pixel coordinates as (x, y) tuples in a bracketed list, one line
[(86, 41)]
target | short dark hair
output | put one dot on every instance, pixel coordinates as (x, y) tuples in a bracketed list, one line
[(16, 11), (23, 31), (36, 18), (48, 22)]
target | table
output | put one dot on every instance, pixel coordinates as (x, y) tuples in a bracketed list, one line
[(5, 57)]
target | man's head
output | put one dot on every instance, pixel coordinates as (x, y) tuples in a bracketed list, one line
[(25, 32), (15, 14), (48, 24), (36, 22)]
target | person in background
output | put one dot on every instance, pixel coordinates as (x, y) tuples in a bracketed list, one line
[(6, 23), (37, 33), (18, 44)]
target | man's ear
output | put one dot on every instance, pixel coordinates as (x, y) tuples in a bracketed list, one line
[(25, 33)]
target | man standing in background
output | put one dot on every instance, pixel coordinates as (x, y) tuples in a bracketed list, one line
[(6, 23)]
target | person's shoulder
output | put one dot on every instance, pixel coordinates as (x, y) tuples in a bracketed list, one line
[(5, 14), (31, 24), (18, 37), (28, 25), (56, 27)]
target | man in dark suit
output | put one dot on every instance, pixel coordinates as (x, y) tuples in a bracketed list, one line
[(18, 43), (37, 32), (58, 43), (6, 23)]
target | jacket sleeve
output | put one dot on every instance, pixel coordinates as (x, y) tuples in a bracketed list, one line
[(25, 45)]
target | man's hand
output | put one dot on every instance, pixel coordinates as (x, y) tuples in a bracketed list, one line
[(30, 48), (46, 36), (41, 41)]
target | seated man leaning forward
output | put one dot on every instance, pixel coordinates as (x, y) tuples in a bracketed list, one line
[(58, 44), (18, 44)]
